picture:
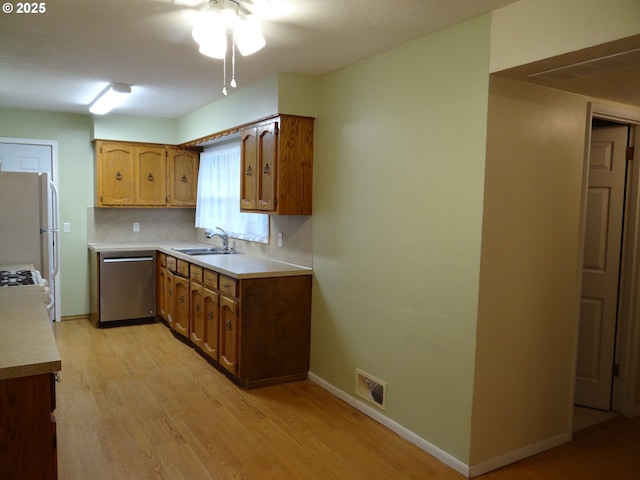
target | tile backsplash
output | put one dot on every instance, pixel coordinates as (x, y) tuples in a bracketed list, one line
[(116, 224), (175, 224)]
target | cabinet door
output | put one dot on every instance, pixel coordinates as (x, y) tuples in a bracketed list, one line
[(151, 175), (27, 440), (248, 174), (211, 312), (197, 315), (183, 177), (267, 164), (161, 291), (229, 334), (169, 297), (181, 305), (117, 174)]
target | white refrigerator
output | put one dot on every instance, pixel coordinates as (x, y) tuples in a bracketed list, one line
[(29, 226)]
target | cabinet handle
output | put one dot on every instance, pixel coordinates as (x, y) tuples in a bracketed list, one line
[(197, 307), (150, 177), (249, 171), (227, 326), (184, 179), (266, 169), (181, 298), (118, 176), (210, 316)]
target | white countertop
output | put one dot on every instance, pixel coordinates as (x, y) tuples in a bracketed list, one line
[(27, 343), (237, 265), (19, 266)]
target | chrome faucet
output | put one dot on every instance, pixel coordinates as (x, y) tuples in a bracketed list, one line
[(224, 236)]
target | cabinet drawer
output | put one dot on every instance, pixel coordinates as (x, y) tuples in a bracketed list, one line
[(228, 285), (162, 258), (183, 268), (171, 263), (195, 273), (210, 279)]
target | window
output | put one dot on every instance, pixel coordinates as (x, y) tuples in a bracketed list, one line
[(218, 203)]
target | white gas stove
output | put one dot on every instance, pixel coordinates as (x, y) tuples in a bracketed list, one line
[(20, 278), (25, 275)]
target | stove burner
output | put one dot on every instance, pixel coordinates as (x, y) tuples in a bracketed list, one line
[(19, 277)]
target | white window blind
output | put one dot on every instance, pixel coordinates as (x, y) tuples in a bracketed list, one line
[(218, 203)]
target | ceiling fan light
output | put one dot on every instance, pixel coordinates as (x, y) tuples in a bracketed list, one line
[(228, 8), (110, 98), (209, 28), (214, 49), (248, 37)]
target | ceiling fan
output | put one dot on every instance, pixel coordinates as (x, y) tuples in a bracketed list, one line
[(218, 23)]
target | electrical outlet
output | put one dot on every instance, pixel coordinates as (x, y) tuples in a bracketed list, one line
[(279, 239), (66, 227), (136, 227)]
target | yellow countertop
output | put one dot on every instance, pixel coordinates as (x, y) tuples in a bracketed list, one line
[(238, 265), (27, 343)]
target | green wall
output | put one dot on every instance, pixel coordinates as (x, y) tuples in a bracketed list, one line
[(240, 107), (75, 172), (398, 182), (134, 129)]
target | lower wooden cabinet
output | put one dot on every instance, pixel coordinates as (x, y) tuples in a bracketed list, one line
[(181, 310), (28, 433), (255, 330), (161, 285), (196, 318), (196, 304), (229, 334), (211, 314)]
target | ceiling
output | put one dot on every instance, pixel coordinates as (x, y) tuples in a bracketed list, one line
[(62, 59)]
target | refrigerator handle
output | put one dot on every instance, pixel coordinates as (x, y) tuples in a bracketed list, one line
[(56, 263)]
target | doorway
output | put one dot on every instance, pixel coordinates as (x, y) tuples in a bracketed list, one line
[(608, 344)]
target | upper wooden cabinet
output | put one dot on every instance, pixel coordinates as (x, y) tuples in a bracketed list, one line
[(183, 177), (145, 175), (115, 174), (150, 176), (277, 166)]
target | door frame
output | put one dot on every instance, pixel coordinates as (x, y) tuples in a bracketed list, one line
[(625, 391)]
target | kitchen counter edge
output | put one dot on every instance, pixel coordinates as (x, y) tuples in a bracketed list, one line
[(27, 344), (239, 266)]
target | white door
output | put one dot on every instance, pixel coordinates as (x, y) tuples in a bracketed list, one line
[(20, 157), (25, 155), (601, 267)]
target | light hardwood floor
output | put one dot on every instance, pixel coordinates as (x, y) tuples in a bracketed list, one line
[(135, 403)]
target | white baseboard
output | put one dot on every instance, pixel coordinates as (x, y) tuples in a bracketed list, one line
[(408, 435), (517, 455), (434, 451)]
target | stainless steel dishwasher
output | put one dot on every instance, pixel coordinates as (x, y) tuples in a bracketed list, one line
[(127, 287)]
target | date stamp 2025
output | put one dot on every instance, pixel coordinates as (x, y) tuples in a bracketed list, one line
[(24, 7)]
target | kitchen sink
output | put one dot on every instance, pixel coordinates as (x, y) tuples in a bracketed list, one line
[(205, 251)]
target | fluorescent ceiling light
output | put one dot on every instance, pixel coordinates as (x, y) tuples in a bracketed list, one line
[(110, 98)]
